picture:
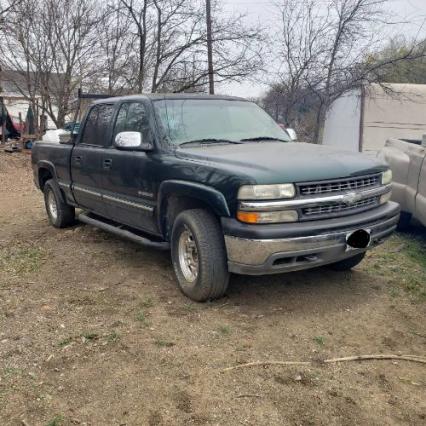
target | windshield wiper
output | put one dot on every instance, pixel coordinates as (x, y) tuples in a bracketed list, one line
[(208, 141), (263, 138)]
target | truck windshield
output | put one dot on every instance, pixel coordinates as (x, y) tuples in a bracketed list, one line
[(193, 120)]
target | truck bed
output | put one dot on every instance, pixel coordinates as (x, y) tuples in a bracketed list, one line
[(56, 156)]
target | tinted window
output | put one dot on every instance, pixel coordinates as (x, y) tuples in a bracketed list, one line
[(97, 125), (132, 117), (90, 126)]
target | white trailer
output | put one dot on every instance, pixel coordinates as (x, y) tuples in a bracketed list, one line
[(364, 119)]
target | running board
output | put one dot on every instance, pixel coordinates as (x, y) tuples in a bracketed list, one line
[(122, 232)]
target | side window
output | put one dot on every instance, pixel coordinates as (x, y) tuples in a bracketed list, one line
[(97, 125), (121, 122), (132, 117), (90, 126)]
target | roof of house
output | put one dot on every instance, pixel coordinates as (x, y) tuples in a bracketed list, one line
[(15, 82)]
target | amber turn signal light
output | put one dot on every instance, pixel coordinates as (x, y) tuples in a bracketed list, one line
[(248, 217), (281, 216)]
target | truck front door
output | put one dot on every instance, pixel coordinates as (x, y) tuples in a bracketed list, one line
[(129, 182)]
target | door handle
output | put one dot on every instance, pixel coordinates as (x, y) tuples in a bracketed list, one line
[(78, 159), (107, 163)]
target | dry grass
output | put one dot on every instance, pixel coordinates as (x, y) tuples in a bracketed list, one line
[(93, 330)]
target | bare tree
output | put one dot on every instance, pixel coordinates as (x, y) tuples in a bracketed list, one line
[(50, 46), (300, 49), (177, 35), (350, 34), (324, 51), (138, 11), (116, 51), (119, 46), (171, 39), (7, 6), (20, 45), (409, 71)]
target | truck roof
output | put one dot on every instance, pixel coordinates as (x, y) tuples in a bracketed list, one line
[(170, 96)]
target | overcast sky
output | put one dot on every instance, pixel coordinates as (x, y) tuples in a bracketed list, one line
[(413, 12)]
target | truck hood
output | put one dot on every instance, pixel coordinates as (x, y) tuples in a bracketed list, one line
[(279, 162)]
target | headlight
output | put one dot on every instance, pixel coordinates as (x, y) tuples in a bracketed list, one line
[(387, 177), (266, 192), (268, 217)]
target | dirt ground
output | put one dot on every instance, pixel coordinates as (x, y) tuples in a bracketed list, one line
[(93, 331)]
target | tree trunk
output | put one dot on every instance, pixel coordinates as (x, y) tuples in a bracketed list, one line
[(318, 124)]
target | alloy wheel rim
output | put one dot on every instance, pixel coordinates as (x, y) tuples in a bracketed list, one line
[(188, 255), (51, 205)]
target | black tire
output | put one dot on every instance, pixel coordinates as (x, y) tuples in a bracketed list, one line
[(404, 221), (65, 214), (347, 264), (212, 276)]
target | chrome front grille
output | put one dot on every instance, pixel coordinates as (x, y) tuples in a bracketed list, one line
[(339, 185), (327, 199), (339, 209)]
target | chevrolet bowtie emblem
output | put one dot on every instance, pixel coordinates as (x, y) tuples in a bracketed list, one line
[(351, 198)]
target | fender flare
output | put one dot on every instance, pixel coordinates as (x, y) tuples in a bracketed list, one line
[(204, 193), (44, 164)]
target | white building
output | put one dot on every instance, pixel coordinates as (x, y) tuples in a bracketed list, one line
[(13, 86), (364, 119)]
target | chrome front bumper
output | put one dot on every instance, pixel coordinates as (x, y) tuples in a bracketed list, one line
[(270, 256)]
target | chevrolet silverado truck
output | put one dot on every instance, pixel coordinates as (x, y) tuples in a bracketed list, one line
[(217, 181), (407, 160)]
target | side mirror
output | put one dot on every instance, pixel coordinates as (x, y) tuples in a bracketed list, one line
[(291, 133), (131, 141)]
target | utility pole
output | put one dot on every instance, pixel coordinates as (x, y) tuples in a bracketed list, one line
[(210, 46), (2, 114)]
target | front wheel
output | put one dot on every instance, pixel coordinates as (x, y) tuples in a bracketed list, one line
[(199, 255), (347, 264)]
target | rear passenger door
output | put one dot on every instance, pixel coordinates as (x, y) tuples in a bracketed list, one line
[(88, 158)]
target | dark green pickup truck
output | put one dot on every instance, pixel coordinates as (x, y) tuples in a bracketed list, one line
[(215, 179)]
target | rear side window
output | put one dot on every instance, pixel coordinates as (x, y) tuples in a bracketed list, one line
[(97, 125), (132, 117)]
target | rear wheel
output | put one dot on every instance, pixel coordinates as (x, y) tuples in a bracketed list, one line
[(347, 264), (199, 255), (60, 213)]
